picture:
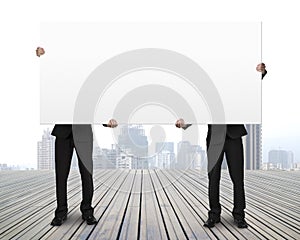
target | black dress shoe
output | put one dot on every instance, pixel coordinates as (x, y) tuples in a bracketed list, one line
[(57, 221), (211, 222), (241, 223), (90, 220)]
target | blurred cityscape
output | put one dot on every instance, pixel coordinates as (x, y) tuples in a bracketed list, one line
[(132, 152)]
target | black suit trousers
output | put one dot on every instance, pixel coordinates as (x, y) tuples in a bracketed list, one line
[(233, 149), (63, 155)]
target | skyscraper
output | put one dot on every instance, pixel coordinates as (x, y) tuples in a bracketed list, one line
[(199, 158), (125, 160), (104, 158), (253, 147), (132, 141), (189, 156), (164, 156), (281, 159), (184, 156), (167, 146), (45, 151)]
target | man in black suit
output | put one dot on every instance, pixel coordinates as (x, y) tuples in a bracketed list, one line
[(80, 138), (225, 139), (233, 148)]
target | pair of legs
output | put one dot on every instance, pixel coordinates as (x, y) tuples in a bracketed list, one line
[(233, 149), (63, 155)]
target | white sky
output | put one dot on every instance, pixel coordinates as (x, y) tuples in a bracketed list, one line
[(19, 74)]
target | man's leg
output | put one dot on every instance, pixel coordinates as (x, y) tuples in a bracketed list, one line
[(63, 156), (85, 161), (235, 161), (214, 188)]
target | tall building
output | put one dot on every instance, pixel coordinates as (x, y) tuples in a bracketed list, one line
[(281, 159), (132, 141), (125, 160), (297, 166), (97, 158), (3, 166), (190, 156), (167, 146), (163, 160), (253, 147), (291, 159), (199, 158), (184, 157), (164, 157), (45, 151), (104, 158)]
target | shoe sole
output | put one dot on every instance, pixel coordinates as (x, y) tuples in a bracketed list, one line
[(89, 223), (240, 226), (56, 225), (213, 225)]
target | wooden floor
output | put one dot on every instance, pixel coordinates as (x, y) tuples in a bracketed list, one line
[(149, 204)]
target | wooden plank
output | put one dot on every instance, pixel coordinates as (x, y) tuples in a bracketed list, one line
[(270, 228), (227, 227), (21, 218), (152, 223), (173, 228), (25, 198), (149, 204), (226, 201), (199, 191), (76, 228), (17, 193), (190, 221), (39, 224), (130, 226), (110, 222), (195, 199), (260, 204)]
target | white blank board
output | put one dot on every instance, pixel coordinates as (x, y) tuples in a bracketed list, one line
[(150, 73)]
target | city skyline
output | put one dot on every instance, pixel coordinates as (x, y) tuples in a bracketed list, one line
[(281, 160), (263, 152), (132, 152)]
